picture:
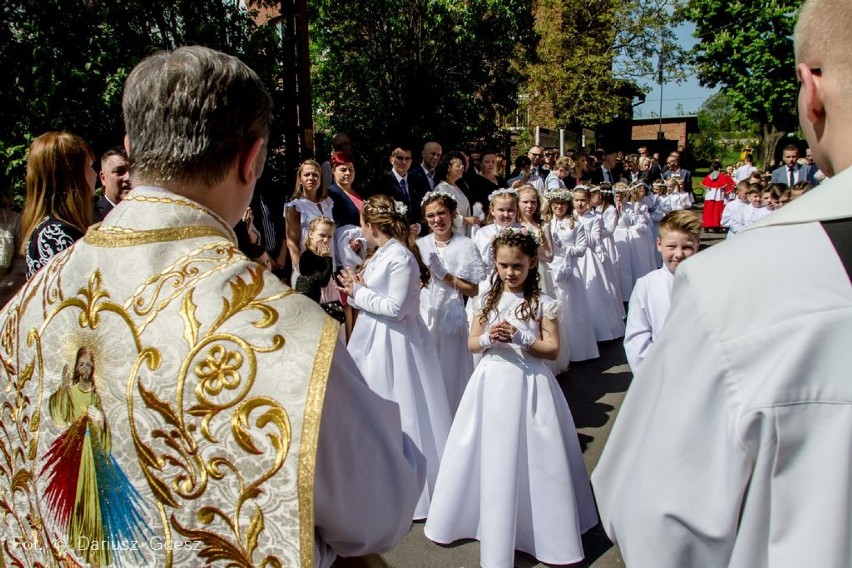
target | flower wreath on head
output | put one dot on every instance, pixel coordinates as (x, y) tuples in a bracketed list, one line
[(675, 177), (583, 187), (437, 193), (620, 187), (517, 231), (398, 207), (559, 195), (637, 184), (604, 187), (502, 191)]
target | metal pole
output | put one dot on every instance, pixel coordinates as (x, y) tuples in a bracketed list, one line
[(661, 81), (303, 70)]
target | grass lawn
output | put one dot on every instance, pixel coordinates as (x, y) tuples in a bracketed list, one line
[(697, 176)]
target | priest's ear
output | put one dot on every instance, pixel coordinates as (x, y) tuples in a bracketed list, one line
[(252, 158), (811, 95)]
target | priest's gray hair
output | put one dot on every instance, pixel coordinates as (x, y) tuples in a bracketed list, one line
[(189, 112)]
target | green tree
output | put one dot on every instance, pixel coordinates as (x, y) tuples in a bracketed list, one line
[(411, 71), (746, 49), (719, 122), (63, 62), (594, 56)]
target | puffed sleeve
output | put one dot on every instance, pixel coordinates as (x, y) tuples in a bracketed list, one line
[(670, 482), (551, 309), (369, 474)]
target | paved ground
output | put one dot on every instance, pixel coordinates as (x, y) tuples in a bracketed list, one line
[(594, 391)]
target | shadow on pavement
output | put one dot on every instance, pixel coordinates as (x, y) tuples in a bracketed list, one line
[(586, 383)]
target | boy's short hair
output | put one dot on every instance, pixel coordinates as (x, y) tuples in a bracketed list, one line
[(802, 187), (742, 185), (754, 188), (683, 221), (778, 190)]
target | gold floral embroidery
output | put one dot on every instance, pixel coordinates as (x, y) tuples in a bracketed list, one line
[(117, 237), (182, 203), (209, 403), (218, 371)]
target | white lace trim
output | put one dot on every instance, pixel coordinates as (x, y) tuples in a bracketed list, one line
[(553, 309)]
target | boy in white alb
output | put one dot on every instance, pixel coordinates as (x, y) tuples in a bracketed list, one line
[(733, 209), (756, 210), (652, 294)]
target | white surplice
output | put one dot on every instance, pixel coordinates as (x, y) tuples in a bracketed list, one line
[(396, 354), (732, 445), (649, 307), (731, 216)]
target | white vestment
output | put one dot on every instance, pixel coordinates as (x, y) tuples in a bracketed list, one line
[(222, 412), (732, 445), (731, 216)]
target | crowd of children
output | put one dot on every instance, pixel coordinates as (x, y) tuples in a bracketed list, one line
[(466, 333)]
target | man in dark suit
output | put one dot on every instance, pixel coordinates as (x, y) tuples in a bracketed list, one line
[(791, 172), (432, 153), (408, 189), (673, 163), (536, 155), (609, 171), (632, 173), (115, 177)]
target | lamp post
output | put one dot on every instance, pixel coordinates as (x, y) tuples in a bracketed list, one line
[(660, 81)]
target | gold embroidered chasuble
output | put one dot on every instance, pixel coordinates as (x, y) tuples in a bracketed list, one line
[(161, 400)]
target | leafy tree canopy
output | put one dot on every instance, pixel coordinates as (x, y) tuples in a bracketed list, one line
[(746, 48), (63, 62), (412, 71), (596, 55)]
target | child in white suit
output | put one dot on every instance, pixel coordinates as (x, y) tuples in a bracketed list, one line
[(651, 299)]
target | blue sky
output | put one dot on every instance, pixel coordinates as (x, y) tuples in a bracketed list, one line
[(688, 93)]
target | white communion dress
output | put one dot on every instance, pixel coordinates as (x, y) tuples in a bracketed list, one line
[(512, 474), (442, 308), (396, 354), (576, 328)]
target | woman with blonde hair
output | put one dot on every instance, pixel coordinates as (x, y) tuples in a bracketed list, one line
[(310, 199), (60, 187)]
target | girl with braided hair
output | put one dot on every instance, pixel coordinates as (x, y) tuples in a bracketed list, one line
[(390, 343), (513, 474)]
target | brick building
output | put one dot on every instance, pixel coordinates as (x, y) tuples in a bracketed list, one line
[(676, 132)]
